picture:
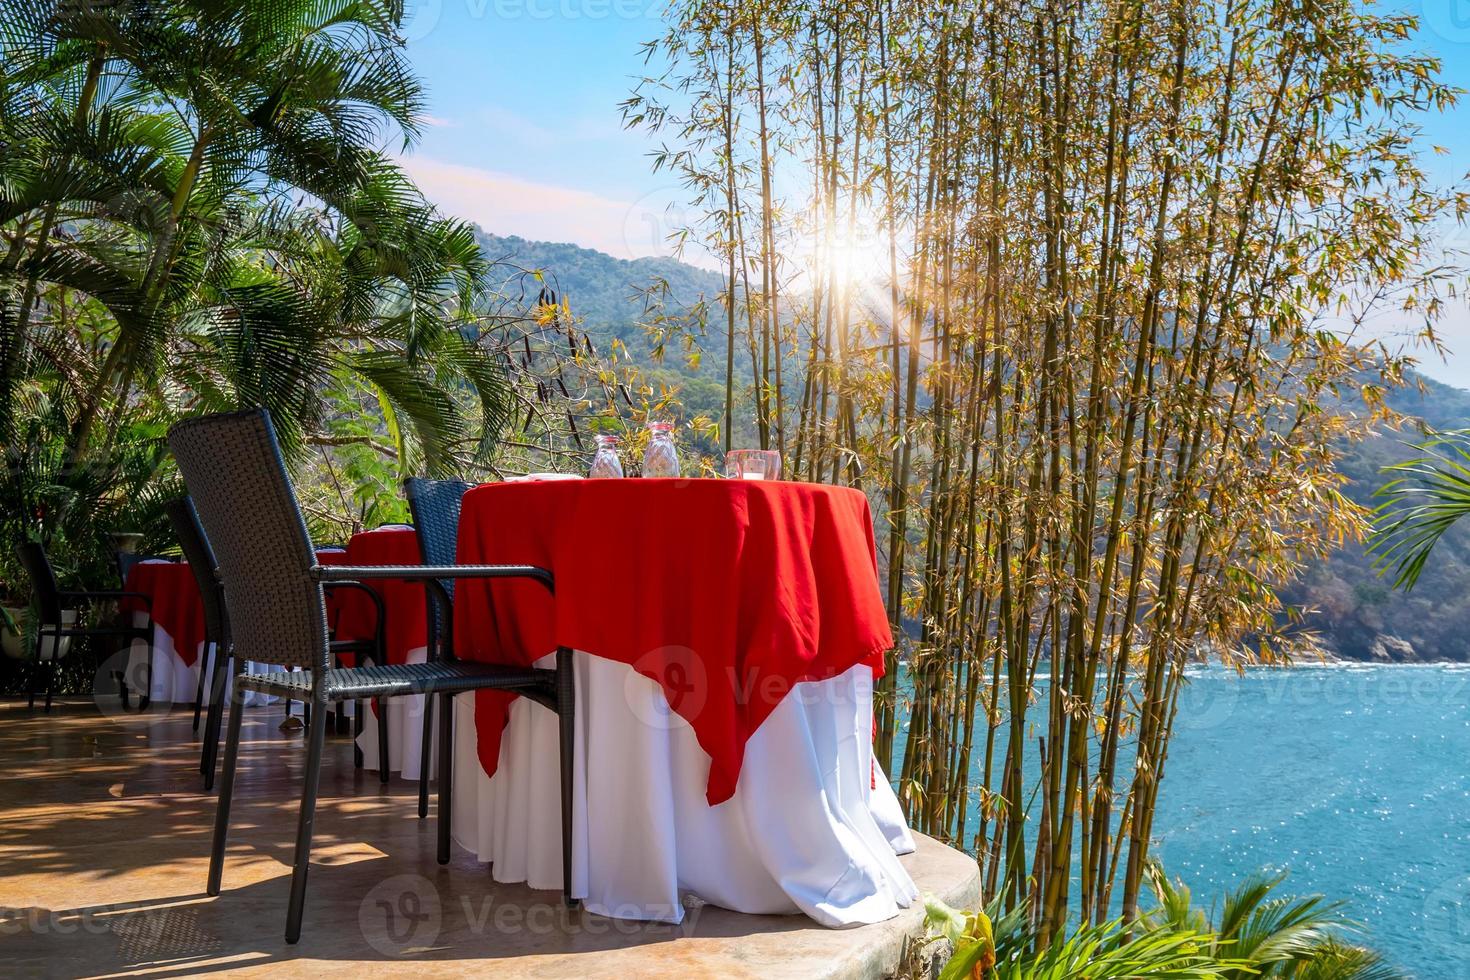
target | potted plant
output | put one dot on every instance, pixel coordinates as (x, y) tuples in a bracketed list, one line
[(17, 636), (14, 603), (12, 634)]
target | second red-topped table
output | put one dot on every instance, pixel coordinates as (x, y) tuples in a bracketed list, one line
[(352, 616), (727, 637), (170, 664)]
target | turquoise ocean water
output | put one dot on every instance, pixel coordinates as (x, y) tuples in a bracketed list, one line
[(1355, 779)]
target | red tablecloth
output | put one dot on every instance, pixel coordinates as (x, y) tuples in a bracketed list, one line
[(174, 595), (725, 592), (351, 614), (333, 556)]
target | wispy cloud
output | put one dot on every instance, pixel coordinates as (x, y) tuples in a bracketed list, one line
[(510, 124), (438, 122), (510, 205)]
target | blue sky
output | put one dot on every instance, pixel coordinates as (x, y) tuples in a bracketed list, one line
[(524, 135)]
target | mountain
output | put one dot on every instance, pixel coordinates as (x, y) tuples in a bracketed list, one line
[(1353, 610), (615, 296), (608, 293)]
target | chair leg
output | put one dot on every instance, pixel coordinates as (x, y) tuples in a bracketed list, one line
[(446, 753), (33, 673), (223, 665), (566, 698), (382, 707), (316, 733), (358, 707), (50, 682), (122, 688), (380, 657), (199, 691), (424, 746), (226, 794), (146, 697)]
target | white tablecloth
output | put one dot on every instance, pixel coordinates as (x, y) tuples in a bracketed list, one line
[(172, 681), (175, 682), (405, 731), (813, 825)]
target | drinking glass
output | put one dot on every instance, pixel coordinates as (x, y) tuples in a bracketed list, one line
[(606, 464), (753, 464), (659, 459)]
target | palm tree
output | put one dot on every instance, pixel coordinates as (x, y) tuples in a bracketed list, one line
[(1260, 934), (1257, 934), (162, 154), (197, 213), (991, 946), (1428, 494)]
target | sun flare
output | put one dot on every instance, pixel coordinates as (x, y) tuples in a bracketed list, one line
[(856, 261)]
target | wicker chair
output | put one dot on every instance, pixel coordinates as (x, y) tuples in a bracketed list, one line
[(52, 600), (435, 505), (200, 556), (233, 469)]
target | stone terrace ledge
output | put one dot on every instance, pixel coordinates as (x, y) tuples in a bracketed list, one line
[(104, 841)]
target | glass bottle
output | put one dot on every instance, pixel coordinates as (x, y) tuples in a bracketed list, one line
[(606, 464), (659, 459)]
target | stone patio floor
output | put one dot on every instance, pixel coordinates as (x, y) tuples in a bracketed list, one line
[(104, 843)]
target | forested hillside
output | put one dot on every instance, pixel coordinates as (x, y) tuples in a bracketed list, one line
[(1353, 610), (1356, 613), (620, 299)]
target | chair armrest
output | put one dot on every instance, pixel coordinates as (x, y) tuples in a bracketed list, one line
[(430, 576), (379, 610), (332, 573)]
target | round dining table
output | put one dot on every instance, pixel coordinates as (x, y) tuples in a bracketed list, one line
[(726, 636), (353, 616), (170, 663)]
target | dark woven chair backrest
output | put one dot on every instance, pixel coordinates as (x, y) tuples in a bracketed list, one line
[(237, 480), (435, 505), (202, 563), (43, 580)]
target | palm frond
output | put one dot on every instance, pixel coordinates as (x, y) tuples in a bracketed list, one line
[(1426, 497)]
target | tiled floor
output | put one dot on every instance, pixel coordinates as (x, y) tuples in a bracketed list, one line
[(104, 842)]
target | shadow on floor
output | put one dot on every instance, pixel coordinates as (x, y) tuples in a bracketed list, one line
[(104, 842)]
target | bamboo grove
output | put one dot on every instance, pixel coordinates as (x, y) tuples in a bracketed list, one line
[(1078, 292)]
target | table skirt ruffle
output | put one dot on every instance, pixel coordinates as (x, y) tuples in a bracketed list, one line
[(405, 731)]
